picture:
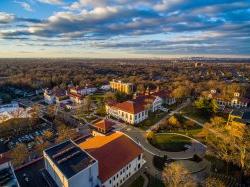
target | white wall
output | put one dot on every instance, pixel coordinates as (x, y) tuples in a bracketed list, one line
[(125, 173)]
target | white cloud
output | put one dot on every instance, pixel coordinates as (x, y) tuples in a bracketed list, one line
[(25, 5), (53, 2), (6, 17)]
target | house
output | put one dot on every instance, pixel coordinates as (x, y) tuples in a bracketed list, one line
[(106, 161), (7, 174), (132, 112), (49, 96), (76, 98), (102, 127), (105, 87), (58, 96), (120, 86), (118, 156), (13, 110), (236, 100), (82, 90)]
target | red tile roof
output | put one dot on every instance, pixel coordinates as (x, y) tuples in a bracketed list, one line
[(106, 125), (113, 152), (131, 107)]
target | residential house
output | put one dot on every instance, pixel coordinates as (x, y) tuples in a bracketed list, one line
[(236, 101)]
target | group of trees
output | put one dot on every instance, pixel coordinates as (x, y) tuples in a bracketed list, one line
[(177, 175), (229, 142), (207, 106)]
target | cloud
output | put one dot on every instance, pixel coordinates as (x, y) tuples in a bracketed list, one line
[(6, 17), (194, 26), (52, 2), (25, 5)]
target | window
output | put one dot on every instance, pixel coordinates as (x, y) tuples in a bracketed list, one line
[(139, 157), (109, 181)]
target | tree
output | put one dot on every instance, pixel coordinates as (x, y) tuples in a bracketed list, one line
[(229, 142), (48, 134), (173, 121), (212, 182), (109, 96), (19, 154), (206, 106), (176, 175), (181, 91)]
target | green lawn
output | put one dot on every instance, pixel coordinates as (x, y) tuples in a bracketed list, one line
[(152, 119), (171, 142), (154, 182), (194, 113), (138, 182)]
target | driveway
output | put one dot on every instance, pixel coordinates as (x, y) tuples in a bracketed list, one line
[(139, 136)]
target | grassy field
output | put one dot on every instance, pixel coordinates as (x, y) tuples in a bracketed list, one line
[(152, 119), (171, 142), (194, 113), (138, 182)]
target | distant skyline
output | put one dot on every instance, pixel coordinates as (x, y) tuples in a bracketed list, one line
[(124, 28)]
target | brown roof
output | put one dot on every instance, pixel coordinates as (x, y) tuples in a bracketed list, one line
[(131, 107), (113, 152), (79, 96), (104, 124)]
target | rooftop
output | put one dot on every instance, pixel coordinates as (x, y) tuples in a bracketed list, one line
[(132, 107), (113, 152), (7, 177), (105, 125), (69, 158)]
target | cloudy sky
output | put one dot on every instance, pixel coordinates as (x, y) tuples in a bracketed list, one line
[(124, 28)]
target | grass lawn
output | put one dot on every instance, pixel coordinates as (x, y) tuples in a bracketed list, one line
[(191, 132), (192, 112), (138, 182), (154, 182), (171, 142), (152, 119)]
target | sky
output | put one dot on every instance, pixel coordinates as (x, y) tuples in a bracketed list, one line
[(124, 28)]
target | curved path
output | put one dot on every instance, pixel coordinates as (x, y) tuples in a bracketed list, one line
[(139, 136)]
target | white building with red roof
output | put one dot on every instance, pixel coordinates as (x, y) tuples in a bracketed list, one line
[(106, 161)]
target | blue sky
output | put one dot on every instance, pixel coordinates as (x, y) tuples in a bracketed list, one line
[(124, 28)]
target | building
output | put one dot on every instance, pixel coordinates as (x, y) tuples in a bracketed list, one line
[(70, 166), (13, 110), (105, 87), (49, 96), (104, 161), (136, 110), (82, 90), (7, 174), (119, 157), (120, 86), (76, 98), (102, 127), (58, 96), (236, 100), (132, 112)]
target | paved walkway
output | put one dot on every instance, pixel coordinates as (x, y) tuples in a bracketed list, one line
[(156, 126)]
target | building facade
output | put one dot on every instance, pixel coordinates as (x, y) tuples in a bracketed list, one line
[(69, 166), (120, 86)]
